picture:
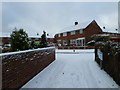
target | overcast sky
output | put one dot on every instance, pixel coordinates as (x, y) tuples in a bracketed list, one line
[(52, 17)]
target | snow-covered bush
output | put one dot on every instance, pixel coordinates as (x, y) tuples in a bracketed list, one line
[(19, 40), (100, 37), (43, 42), (97, 38), (112, 48), (111, 55)]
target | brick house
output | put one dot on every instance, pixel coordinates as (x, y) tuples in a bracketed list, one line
[(78, 34), (5, 41)]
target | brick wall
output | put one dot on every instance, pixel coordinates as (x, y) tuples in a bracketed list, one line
[(91, 29), (19, 68)]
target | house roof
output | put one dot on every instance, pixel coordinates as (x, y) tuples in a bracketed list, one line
[(75, 27), (109, 31), (35, 36), (83, 26)]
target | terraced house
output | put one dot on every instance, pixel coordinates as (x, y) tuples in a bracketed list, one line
[(78, 34)]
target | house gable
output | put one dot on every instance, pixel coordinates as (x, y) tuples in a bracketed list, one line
[(91, 29)]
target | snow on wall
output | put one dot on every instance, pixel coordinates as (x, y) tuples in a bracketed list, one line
[(30, 50), (19, 67)]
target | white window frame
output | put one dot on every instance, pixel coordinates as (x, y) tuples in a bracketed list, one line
[(64, 34), (73, 41), (64, 42), (72, 33), (1, 43), (81, 31), (82, 41)]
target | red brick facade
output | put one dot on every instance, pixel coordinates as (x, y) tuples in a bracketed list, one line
[(85, 35), (91, 29)]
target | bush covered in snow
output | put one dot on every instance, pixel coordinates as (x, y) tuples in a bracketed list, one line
[(101, 37), (43, 42), (97, 38), (19, 40), (113, 48)]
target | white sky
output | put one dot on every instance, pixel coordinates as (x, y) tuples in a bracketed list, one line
[(52, 17)]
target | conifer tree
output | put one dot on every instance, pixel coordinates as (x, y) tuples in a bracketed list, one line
[(19, 40), (43, 42)]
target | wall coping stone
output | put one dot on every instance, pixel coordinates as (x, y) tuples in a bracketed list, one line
[(30, 50)]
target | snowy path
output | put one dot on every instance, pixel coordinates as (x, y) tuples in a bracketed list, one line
[(72, 71)]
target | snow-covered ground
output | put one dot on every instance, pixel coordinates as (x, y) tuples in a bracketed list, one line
[(76, 70), (76, 50)]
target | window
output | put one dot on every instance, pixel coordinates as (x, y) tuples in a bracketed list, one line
[(58, 35), (64, 34), (1, 43), (81, 31), (73, 41), (72, 33), (64, 42), (81, 42)]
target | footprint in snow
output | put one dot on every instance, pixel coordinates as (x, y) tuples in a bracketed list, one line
[(36, 82)]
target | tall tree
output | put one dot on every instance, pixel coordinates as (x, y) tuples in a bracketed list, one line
[(43, 42), (19, 40)]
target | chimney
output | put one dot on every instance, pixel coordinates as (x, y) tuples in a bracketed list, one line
[(76, 23), (103, 27)]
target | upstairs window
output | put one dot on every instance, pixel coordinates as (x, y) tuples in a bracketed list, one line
[(81, 31), (72, 33), (64, 34)]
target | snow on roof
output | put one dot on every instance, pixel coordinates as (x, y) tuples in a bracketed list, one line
[(102, 34), (37, 36), (76, 27), (5, 35), (92, 41), (110, 30), (50, 36), (34, 36)]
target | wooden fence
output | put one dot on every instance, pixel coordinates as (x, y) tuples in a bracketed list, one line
[(111, 61)]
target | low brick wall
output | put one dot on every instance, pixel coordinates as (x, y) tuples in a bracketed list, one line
[(110, 63), (19, 67), (75, 47)]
